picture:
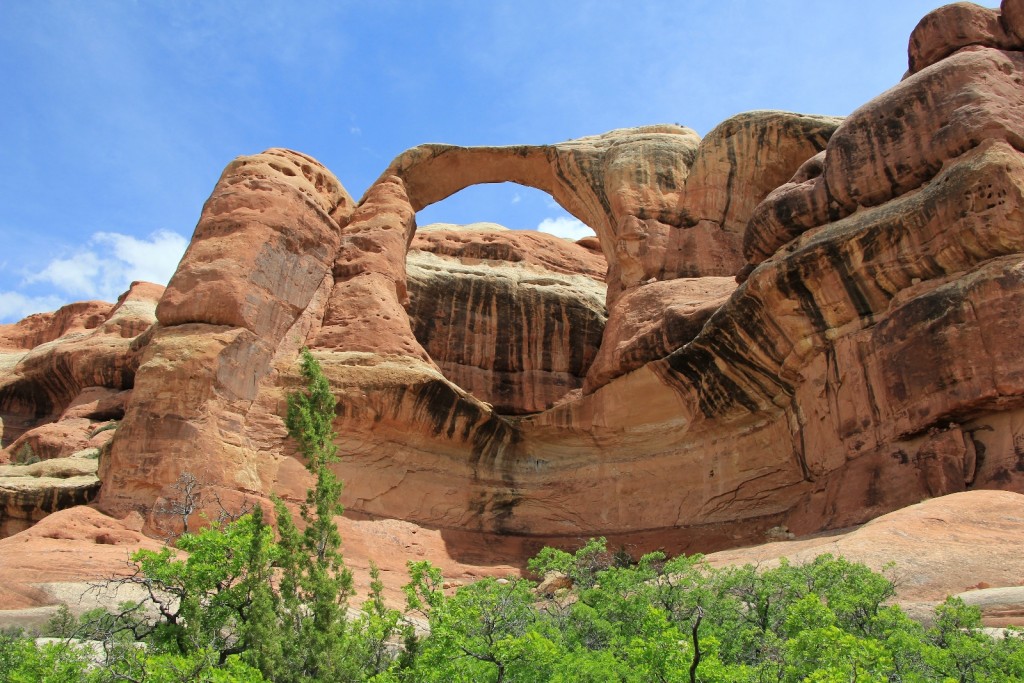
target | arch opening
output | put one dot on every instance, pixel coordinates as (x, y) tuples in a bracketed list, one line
[(511, 205), (513, 316)]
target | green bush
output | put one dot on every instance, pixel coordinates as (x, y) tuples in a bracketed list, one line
[(113, 424)]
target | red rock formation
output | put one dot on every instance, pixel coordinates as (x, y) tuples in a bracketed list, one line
[(796, 400), (867, 360), (663, 202), (934, 549), (40, 328), (59, 560), (515, 318), (954, 27), (252, 285), (65, 376), (70, 365), (31, 492), (652, 321)]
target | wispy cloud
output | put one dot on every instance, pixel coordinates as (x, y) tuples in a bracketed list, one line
[(110, 261), (103, 268), (564, 226), (15, 306)]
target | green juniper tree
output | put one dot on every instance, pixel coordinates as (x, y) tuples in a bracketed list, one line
[(315, 585)]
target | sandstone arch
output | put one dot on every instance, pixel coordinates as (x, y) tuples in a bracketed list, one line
[(868, 360), (282, 257), (597, 179)]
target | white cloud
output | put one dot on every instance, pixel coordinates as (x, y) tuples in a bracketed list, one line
[(564, 226), (15, 306), (516, 198), (110, 262), (74, 275)]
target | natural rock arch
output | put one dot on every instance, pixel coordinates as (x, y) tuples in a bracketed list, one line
[(282, 257), (600, 180), (663, 202), (867, 361)]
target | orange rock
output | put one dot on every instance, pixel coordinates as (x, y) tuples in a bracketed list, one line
[(76, 359), (663, 203), (513, 317), (250, 289), (74, 546), (650, 322), (40, 328), (937, 547), (949, 28), (902, 138), (31, 492), (364, 313), (246, 266)]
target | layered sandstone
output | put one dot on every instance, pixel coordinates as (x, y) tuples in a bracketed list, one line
[(663, 202), (30, 492), (833, 386), (63, 365), (652, 321), (514, 318), (513, 384), (65, 381)]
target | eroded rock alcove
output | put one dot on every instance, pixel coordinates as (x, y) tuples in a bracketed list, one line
[(515, 318), (810, 322)]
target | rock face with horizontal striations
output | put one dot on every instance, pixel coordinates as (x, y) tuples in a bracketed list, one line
[(31, 491), (513, 317), (65, 379), (796, 321)]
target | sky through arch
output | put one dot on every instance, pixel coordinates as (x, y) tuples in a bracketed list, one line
[(511, 205)]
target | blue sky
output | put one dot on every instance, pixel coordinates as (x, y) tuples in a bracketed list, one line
[(119, 116)]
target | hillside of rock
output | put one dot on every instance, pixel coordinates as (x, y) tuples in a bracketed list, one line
[(963, 544), (795, 320), (65, 379)]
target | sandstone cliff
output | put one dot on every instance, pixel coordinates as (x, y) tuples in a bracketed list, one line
[(65, 378), (795, 320)]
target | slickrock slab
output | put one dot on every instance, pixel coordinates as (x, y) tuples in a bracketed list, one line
[(940, 547)]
